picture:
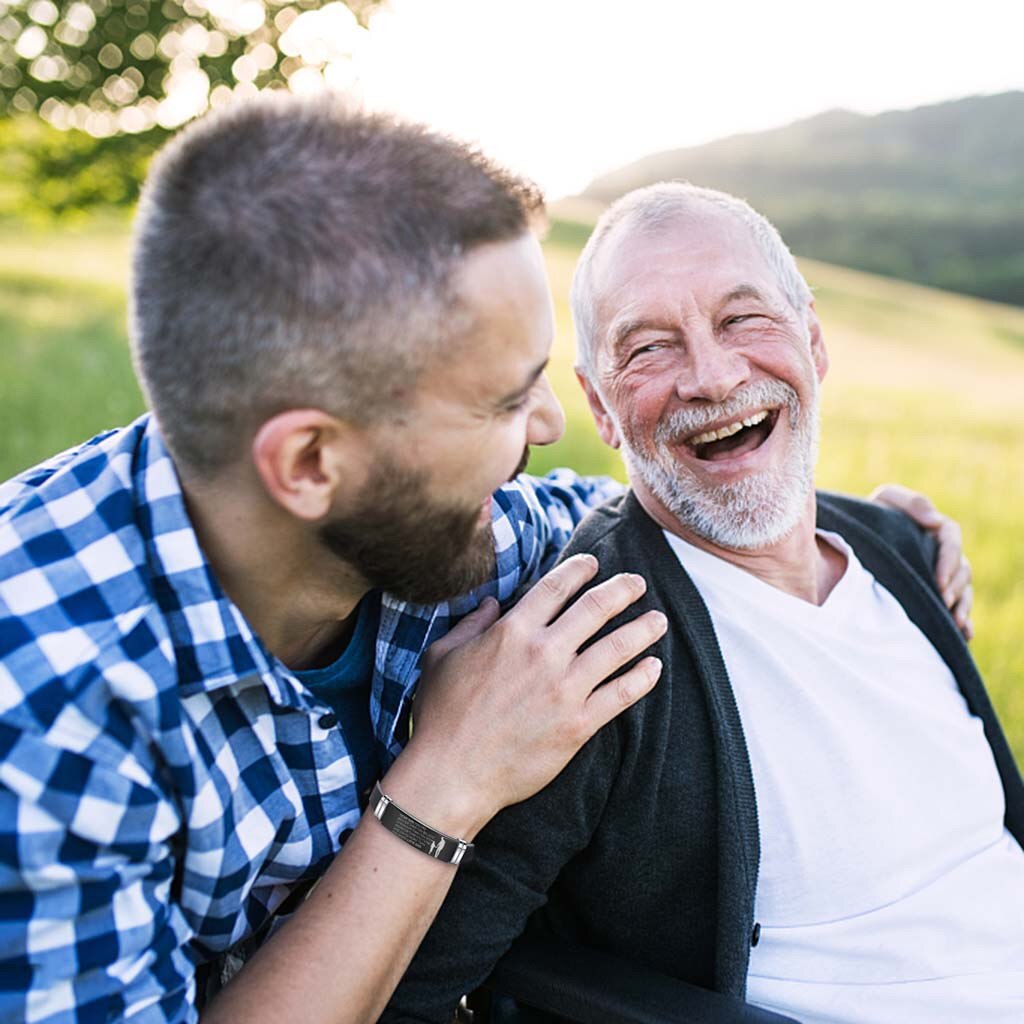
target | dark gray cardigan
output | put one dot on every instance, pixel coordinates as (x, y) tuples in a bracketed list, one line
[(647, 844)]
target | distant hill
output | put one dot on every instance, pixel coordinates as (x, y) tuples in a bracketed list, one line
[(934, 195)]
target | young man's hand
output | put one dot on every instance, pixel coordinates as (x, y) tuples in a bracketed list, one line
[(505, 703), (952, 570)]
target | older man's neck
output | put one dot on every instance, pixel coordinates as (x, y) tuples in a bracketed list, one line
[(800, 564)]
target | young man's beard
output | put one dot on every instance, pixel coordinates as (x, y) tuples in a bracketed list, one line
[(401, 542)]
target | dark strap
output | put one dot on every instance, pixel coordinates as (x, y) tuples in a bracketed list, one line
[(588, 986), (416, 833)]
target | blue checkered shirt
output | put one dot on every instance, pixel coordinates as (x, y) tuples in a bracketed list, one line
[(165, 782)]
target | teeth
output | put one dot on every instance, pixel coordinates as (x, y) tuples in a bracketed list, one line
[(730, 429)]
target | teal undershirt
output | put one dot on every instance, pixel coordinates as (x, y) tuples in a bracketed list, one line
[(344, 686)]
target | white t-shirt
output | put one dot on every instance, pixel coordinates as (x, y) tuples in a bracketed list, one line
[(889, 889)]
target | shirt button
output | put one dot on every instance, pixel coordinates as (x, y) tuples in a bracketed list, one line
[(755, 936), (328, 721)]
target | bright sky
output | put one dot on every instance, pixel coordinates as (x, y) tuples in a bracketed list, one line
[(563, 90)]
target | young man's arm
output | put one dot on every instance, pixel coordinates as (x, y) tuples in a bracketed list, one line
[(499, 715), (91, 927), (521, 854), (554, 504), (952, 569)]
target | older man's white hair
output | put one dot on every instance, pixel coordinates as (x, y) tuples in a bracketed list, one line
[(655, 206)]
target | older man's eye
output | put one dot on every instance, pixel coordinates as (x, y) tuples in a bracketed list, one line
[(651, 346)]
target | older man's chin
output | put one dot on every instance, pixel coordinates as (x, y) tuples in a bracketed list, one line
[(755, 512)]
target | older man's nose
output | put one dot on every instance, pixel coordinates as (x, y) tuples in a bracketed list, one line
[(711, 372)]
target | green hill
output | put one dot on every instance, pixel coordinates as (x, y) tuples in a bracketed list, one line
[(934, 195)]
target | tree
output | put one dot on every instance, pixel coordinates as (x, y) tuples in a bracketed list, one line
[(111, 67), (110, 79)]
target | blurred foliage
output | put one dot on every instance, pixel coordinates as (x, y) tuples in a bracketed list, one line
[(89, 89), (113, 66), (47, 173), (931, 195)]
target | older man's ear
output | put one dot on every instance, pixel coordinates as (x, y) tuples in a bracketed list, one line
[(607, 428)]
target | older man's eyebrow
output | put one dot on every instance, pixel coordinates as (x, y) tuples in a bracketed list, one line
[(743, 291), (514, 396)]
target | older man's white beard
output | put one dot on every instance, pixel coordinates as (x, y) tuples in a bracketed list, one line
[(754, 512)]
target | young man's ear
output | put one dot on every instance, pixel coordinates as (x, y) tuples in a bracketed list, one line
[(606, 426), (304, 457), (818, 351)]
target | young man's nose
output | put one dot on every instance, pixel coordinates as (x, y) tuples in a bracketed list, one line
[(547, 421)]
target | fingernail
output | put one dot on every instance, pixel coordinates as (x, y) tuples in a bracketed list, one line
[(660, 621), (638, 581), (589, 560), (654, 667), (947, 596)]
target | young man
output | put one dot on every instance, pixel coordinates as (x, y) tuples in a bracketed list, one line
[(212, 621)]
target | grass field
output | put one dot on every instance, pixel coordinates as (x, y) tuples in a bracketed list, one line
[(924, 388)]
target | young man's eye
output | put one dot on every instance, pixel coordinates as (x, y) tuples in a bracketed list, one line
[(519, 403)]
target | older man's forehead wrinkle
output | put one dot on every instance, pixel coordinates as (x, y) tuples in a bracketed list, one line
[(775, 303)]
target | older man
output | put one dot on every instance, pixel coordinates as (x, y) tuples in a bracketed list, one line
[(817, 809)]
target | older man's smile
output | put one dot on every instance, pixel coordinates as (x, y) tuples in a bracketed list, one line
[(736, 437)]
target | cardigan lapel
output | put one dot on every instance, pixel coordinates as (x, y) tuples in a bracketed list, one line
[(738, 836)]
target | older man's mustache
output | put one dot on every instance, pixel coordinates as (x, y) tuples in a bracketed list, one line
[(761, 394)]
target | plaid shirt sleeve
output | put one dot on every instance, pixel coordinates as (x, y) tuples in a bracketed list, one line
[(539, 515), (101, 780), (88, 930)]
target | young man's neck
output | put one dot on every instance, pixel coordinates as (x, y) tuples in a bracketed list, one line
[(800, 564), (298, 599)]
